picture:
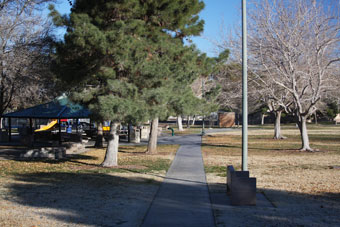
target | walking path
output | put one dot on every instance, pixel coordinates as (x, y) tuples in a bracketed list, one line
[(183, 198)]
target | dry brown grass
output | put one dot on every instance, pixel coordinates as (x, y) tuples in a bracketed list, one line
[(129, 158), (78, 192), (278, 164)]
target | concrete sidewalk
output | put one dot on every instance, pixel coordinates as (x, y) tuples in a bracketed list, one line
[(183, 198)]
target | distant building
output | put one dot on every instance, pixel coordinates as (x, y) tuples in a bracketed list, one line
[(226, 119)]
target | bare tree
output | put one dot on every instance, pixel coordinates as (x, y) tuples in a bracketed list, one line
[(276, 98), (262, 90), (230, 80), (296, 43), (229, 77), (202, 87), (25, 77)]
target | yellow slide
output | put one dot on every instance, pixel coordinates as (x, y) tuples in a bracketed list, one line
[(47, 127)]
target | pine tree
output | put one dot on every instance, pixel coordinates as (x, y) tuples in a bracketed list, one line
[(117, 57), (180, 66), (184, 102)]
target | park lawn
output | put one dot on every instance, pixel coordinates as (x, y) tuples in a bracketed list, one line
[(78, 192), (278, 164), (130, 158)]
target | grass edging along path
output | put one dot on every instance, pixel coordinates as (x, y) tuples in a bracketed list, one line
[(78, 192), (283, 173)]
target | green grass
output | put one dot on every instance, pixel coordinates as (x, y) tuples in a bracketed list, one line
[(218, 170)]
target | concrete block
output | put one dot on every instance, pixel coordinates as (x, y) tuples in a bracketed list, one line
[(145, 130), (135, 135), (240, 187), (229, 170), (240, 174), (232, 174), (243, 191), (243, 184)]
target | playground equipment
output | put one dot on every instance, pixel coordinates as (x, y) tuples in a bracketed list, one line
[(47, 127)]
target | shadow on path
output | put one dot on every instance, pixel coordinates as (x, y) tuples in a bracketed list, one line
[(284, 209), (103, 200)]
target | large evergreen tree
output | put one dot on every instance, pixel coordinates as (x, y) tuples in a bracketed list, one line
[(183, 101), (118, 56)]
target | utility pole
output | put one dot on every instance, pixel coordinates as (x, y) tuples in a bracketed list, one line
[(244, 89)]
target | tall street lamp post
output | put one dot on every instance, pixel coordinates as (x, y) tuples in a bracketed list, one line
[(244, 90)]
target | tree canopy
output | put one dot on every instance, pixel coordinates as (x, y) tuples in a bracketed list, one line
[(123, 58)]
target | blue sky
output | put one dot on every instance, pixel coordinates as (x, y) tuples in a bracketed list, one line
[(214, 13)]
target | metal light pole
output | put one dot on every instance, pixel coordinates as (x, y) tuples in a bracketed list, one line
[(244, 89)]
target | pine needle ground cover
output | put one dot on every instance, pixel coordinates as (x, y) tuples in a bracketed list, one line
[(78, 192), (304, 186)]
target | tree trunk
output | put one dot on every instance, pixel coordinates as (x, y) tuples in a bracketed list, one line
[(303, 132), (238, 120), (179, 123), (262, 118), (111, 156), (188, 121), (210, 122), (193, 120), (277, 126), (315, 118), (152, 144), (100, 138)]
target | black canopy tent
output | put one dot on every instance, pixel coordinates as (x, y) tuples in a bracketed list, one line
[(60, 108)]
